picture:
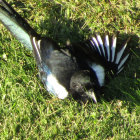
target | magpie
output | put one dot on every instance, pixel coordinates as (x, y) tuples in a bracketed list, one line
[(80, 69)]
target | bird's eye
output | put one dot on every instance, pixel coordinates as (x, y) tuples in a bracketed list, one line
[(74, 85)]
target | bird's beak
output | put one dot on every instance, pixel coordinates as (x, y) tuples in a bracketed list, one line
[(91, 94)]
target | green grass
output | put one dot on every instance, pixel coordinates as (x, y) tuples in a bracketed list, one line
[(27, 111)]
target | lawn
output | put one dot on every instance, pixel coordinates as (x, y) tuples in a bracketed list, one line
[(27, 111)]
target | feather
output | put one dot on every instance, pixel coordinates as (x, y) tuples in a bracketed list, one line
[(120, 53), (15, 29), (100, 43), (113, 47), (36, 49), (96, 44), (123, 61), (107, 47)]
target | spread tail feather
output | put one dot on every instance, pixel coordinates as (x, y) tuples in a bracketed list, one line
[(114, 60)]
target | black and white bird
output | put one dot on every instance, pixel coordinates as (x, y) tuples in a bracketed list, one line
[(79, 69)]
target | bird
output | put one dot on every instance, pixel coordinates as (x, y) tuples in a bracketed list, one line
[(79, 69)]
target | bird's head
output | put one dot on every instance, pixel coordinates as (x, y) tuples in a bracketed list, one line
[(82, 86)]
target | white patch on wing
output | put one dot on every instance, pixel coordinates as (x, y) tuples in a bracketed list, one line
[(100, 73), (54, 86), (96, 44), (120, 53), (101, 43), (107, 47), (93, 45), (123, 61), (113, 47)]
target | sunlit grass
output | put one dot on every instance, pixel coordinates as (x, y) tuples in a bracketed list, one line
[(27, 111)]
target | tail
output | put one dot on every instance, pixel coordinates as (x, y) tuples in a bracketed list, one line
[(112, 57), (16, 24)]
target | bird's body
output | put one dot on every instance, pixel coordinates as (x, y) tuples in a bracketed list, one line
[(78, 70), (55, 66)]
